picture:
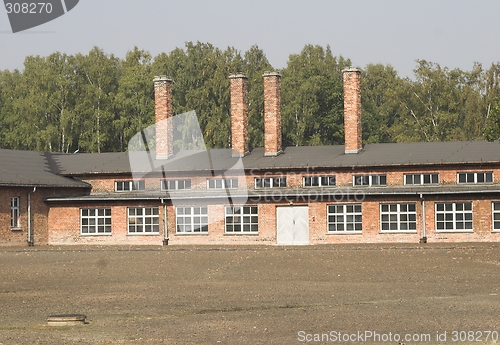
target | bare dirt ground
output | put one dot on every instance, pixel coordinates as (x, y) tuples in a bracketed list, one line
[(250, 295)]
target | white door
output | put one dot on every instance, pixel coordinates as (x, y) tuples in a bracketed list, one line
[(292, 225)]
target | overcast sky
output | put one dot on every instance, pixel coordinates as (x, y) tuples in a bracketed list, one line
[(454, 34)]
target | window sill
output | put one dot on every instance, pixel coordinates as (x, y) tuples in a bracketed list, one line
[(345, 233), (91, 235), (144, 234), (241, 234), (16, 229), (374, 186), (454, 231), (191, 234), (320, 187), (473, 183), (397, 231)]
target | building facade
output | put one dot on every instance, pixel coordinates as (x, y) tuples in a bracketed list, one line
[(352, 193)]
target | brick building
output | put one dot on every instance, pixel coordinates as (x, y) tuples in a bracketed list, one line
[(352, 193)]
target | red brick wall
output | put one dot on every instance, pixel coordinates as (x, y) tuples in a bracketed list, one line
[(272, 114), (163, 115), (239, 114), (352, 110), (64, 225), (482, 220), (64, 220), (39, 214)]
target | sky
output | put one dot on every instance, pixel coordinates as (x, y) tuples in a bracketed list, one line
[(454, 34)]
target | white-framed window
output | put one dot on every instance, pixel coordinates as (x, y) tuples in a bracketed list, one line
[(495, 206), (475, 177), (95, 221), (398, 217), (344, 218), (222, 183), (14, 212), (129, 186), (270, 182), (143, 220), (453, 216), (175, 184), (319, 181), (417, 179), (242, 219), (369, 180), (191, 219)]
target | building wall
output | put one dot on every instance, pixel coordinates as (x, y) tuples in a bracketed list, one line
[(59, 223), (39, 214), (65, 225), (371, 233), (344, 178)]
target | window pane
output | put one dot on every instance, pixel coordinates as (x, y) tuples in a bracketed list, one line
[(480, 177), (315, 181), (470, 177), (427, 178), (489, 177), (462, 178), (435, 178)]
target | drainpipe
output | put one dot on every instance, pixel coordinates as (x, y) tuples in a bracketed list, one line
[(165, 223), (424, 234), (30, 240)]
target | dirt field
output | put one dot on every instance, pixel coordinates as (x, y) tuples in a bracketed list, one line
[(250, 295)]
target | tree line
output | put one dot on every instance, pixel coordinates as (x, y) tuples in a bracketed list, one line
[(97, 102)]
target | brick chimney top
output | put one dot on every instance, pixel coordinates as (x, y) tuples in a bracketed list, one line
[(237, 76), (239, 114), (160, 78), (352, 110), (163, 117), (271, 74), (272, 114)]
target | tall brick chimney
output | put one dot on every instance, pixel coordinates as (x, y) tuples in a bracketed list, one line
[(352, 110), (163, 116), (239, 114), (272, 114)]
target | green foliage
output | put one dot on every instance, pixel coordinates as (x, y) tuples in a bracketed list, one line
[(492, 130), (440, 105), (97, 102), (312, 105), (381, 88)]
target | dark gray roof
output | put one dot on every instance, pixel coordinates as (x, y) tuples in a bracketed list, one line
[(92, 163), (301, 157), (27, 168), (380, 155), (48, 169)]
